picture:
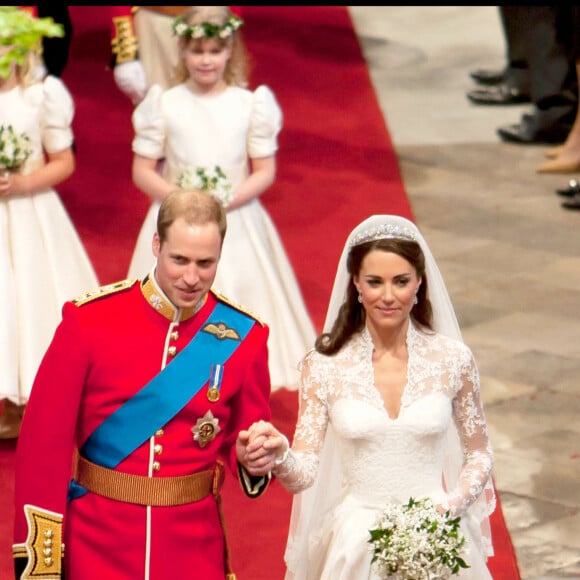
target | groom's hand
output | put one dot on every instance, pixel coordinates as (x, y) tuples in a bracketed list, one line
[(259, 447)]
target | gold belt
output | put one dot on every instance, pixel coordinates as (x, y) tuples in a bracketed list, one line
[(153, 491), (172, 11)]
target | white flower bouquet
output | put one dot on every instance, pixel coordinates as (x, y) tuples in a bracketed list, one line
[(413, 541), (14, 148), (213, 182)]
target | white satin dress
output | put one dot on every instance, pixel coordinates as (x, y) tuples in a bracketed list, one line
[(191, 131), (42, 260), (385, 459)]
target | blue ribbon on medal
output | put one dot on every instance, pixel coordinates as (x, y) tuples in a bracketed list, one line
[(215, 382)]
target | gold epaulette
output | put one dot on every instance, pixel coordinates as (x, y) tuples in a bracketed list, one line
[(102, 291), (44, 545), (124, 44), (243, 309)]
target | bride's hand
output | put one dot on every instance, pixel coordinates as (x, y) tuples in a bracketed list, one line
[(259, 448)]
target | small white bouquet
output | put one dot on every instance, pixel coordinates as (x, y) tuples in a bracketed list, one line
[(213, 182), (14, 148), (413, 541)]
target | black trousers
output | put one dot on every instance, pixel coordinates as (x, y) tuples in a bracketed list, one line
[(540, 43)]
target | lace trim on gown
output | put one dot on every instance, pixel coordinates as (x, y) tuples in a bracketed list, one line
[(437, 365)]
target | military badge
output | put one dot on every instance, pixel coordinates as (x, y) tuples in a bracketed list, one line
[(215, 381), (221, 331), (205, 429)]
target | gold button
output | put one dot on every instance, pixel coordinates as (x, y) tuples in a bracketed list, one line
[(172, 350), (174, 335), (48, 534), (47, 551), (48, 543), (159, 433), (48, 561), (156, 466), (158, 449)]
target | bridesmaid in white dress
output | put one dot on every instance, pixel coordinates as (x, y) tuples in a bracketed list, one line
[(390, 409), (42, 260), (209, 119)]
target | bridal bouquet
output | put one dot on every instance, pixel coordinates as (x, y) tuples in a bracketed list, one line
[(413, 541), (213, 182), (14, 148)]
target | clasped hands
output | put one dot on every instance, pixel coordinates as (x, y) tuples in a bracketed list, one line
[(259, 447)]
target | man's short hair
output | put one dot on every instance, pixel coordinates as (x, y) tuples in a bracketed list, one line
[(195, 207)]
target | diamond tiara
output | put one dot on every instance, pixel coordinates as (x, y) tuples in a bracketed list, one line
[(384, 232)]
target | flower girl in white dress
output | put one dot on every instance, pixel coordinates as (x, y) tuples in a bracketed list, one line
[(207, 121), (42, 260)]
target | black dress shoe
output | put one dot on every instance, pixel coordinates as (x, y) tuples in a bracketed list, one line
[(573, 203), (572, 189), (501, 94), (529, 133), (488, 77)]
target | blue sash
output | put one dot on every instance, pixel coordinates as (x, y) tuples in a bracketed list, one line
[(167, 393)]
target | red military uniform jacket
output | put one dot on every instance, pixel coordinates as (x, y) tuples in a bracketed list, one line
[(107, 347)]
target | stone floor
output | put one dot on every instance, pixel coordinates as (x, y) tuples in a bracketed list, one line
[(509, 253)]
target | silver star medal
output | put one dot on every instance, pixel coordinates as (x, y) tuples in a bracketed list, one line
[(205, 429)]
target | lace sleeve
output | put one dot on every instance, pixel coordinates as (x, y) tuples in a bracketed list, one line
[(472, 428), (298, 470)]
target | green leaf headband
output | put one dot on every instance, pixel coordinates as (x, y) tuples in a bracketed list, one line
[(20, 31), (207, 29)]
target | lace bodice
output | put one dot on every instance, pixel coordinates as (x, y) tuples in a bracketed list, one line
[(384, 457)]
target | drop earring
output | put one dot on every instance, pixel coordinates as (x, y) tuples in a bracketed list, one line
[(415, 300), (359, 298)]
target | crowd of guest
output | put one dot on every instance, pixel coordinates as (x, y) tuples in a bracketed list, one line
[(542, 68)]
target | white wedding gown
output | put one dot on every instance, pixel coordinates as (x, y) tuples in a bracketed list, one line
[(192, 131), (382, 459), (42, 260)]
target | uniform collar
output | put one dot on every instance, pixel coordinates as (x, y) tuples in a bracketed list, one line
[(157, 299)]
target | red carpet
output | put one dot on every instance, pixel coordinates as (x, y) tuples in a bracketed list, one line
[(336, 167)]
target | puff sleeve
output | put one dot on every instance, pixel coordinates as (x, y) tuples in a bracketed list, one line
[(265, 123), (56, 116), (149, 140)]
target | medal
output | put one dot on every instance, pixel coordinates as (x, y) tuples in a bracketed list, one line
[(215, 381), (205, 429)]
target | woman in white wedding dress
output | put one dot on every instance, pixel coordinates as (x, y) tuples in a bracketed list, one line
[(42, 260), (389, 409), (210, 120)]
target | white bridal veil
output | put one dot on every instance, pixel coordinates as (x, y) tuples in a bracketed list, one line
[(310, 506)]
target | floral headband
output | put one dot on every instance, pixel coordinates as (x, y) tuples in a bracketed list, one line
[(20, 31), (207, 29)]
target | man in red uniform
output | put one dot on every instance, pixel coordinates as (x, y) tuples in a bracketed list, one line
[(144, 393)]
